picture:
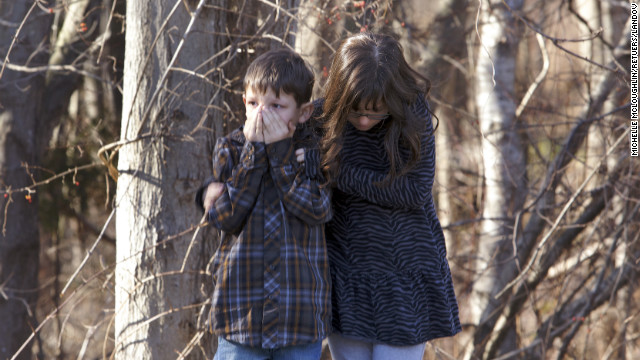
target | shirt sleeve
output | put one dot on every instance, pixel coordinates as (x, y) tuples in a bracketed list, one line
[(242, 180), (299, 188), (411, 190)]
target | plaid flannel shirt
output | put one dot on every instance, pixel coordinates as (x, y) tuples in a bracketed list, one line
[(271, 271)]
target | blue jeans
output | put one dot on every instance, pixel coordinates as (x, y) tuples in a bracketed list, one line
[(228, 350), (345, 348)]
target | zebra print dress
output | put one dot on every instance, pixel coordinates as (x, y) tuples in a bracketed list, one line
[(390, 276)]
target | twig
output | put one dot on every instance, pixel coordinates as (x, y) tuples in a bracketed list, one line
[(192, 343), (50, 179), (280, 8), (88, 224), (8, 23), (104, 38), (165, 75), (59, 68), (67, 317), (86, 258), (203, 223), (6, 215), (555, 225), (85, 344), (115, 147), (100, 273), (106, 338), (588, 307), (148, 321), (556, 41), (543, 73), (37, 329), (15, 37)]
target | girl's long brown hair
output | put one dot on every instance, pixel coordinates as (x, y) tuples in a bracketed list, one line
[(367, 68)]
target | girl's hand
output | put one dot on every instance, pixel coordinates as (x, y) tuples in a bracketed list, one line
[(300, 155), (213, 192), (253, 126), (275, 128)]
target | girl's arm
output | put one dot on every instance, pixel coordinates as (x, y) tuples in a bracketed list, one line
[(242, 182), (412, 190), (299, 186)]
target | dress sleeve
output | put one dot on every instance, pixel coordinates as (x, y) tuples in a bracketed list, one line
[(299, 186), (412, 190), (242, 179)]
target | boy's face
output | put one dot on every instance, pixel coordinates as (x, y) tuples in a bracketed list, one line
[(284, 106)]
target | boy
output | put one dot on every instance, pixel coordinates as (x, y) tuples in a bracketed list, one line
[(272, 285)]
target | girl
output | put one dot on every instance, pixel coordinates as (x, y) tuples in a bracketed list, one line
[(392, 288)]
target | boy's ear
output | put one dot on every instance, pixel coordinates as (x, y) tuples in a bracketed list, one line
[(306, 110), (244, 99)]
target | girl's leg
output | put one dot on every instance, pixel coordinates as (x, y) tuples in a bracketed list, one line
[(344, 348), (390, 352)]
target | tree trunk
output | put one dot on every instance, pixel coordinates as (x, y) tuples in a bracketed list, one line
[(160, 168), (598, 16), (503, 162), (19, 239), (545, 203), (433, 50), (317, 39), (590, 12)]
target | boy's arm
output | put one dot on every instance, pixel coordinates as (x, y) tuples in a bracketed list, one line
[(299, 186), (241, 183)]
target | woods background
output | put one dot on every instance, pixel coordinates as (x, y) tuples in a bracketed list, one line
[(109, 110)]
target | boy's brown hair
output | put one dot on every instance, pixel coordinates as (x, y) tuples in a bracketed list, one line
[(281, 70)]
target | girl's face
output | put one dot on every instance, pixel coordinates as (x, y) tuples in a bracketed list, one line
[(364, 118)]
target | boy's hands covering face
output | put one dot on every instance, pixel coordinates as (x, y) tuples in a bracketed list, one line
[(253, 126), (266, 125), (274, 127), (272, 118)]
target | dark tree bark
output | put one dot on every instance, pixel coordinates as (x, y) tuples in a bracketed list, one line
[(23, 32)]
